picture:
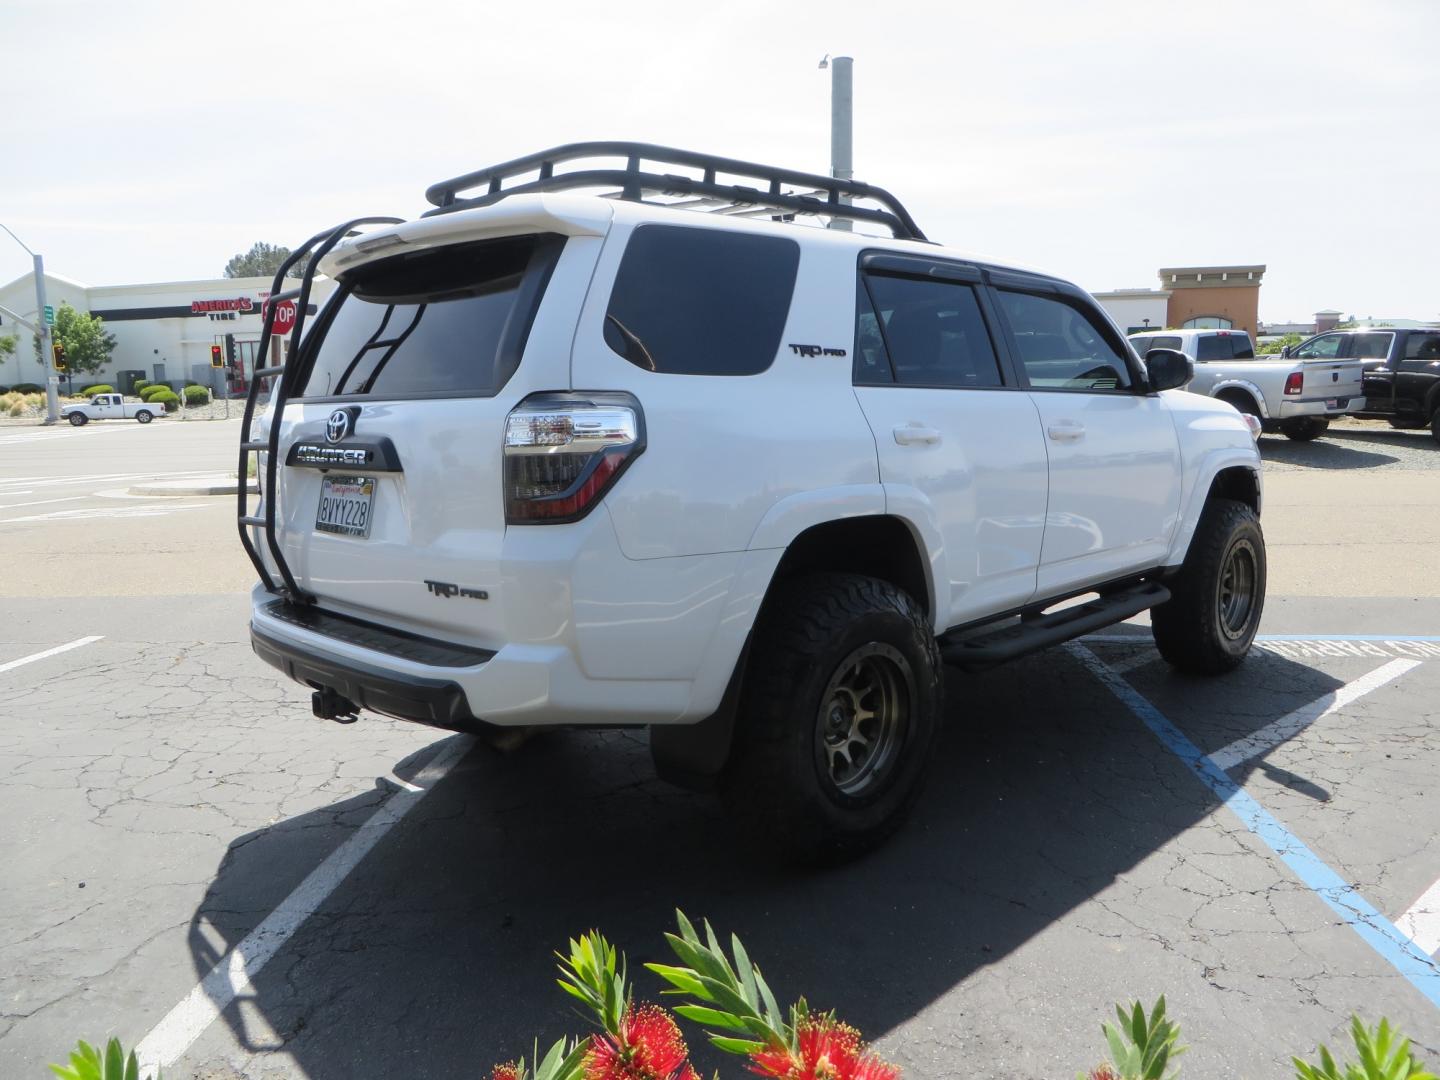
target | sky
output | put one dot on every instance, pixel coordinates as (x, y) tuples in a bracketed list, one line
[(1095, 139)]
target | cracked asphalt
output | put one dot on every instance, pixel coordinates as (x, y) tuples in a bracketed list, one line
[(163, 791)]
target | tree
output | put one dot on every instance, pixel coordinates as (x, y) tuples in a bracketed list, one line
[(1271, 347), (7, 347), (87, 343), (262, 260)]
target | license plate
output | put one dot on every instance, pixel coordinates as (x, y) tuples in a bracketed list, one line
[(345, 505)]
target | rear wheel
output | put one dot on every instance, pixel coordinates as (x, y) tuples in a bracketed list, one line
[(837, 718), (1435, 425), (1243, 402), (1305, 428), (1209, 622), (143, 416), (79, 419)]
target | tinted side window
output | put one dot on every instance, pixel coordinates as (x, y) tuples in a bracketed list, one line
[(934, 332), (1171, 342), (1244, 348), (871, 365), (1371, 346), (1321, 348), (695, 301), (1422, 347), (1061, 345), (452, 321)]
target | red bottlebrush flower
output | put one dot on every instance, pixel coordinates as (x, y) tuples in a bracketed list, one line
[(648, 1046), (829, 1050), (1103, 1072), (508, 1071)]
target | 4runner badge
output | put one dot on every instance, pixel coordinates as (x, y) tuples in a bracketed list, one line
[(815, 350), (446, 589)]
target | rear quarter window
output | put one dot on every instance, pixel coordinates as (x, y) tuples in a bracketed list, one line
[(698, 301)]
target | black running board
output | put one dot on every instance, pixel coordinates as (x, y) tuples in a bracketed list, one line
[(981, 648)]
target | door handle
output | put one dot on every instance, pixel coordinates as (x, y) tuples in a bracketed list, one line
[(1066, 431), (912, 433)]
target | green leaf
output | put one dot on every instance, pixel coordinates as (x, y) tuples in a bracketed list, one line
[(683, 979), (746, 971), (1118, 1049), (736, 1046), (713, 1017)]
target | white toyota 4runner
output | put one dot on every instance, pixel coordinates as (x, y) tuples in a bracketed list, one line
[(593, 443)]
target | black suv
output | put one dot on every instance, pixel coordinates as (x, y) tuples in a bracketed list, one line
[(1402, 372)]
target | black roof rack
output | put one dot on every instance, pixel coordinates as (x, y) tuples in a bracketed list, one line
[(825, 195)]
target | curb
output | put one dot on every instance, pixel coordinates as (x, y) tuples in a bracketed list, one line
[(218, 485)]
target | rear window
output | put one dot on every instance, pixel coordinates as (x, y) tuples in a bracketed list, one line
[(1214, 347), (1144, 344), (451, 322), (694, 301)]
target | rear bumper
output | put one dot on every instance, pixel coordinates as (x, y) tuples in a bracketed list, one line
[(1318, 407), (425, 701)]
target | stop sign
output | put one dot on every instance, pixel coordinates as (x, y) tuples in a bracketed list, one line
[(284, 317)]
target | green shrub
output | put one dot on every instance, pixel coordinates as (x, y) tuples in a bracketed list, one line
[(17, 409), (196, 395), (1384, 1055), (140, 384), (97, 388), (153, 389), (166, 397), (27, 388)]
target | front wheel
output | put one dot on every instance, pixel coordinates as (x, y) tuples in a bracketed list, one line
[(1209, 622), (143, 416), (838, 716), (1304, 429), (79, 419)]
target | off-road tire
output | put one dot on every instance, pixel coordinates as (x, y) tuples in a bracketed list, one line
[(1206, 627), (78, 419), (785, 779), (1304, 429)]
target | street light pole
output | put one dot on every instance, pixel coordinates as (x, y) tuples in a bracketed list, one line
[(842, 125), (42, 331)]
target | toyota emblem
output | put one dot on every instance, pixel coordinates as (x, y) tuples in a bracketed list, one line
[(338, 426)]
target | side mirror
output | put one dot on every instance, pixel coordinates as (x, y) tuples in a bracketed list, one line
[(1168, 369), (1285, 352)]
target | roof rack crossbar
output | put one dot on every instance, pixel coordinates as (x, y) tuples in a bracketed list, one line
[(633, 182)]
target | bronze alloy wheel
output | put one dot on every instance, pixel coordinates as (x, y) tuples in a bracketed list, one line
[(864, 719), (1236, 589)]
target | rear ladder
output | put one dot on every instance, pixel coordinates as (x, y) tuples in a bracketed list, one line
[(284, 376)]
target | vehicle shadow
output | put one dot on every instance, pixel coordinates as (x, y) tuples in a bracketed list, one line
[(434, 958), (1321, 453)]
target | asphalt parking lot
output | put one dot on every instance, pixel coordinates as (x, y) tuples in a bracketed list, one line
[(195, 864)]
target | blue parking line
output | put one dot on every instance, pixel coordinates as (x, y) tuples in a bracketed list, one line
[(1374, 928)]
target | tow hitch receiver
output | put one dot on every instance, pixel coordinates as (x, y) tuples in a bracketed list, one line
[(328, 705)]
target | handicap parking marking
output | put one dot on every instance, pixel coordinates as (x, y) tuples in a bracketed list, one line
[(1421, 921), (1296, 721), (1392, 943)]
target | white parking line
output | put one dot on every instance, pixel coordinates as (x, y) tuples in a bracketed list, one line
[(41, 502), (1421, 921), (50, 652), (1292, 723), (233, 973)]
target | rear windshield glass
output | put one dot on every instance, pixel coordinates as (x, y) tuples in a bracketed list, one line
[(1214, 347), (701, 301), (446, 322)]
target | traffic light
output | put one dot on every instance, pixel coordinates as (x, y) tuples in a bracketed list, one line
[(230, 355), (59, 352), (217, 356)]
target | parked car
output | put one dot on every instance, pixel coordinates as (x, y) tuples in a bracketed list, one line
[(1297, 397), (550, 458), (1402, 372), (110, 407)]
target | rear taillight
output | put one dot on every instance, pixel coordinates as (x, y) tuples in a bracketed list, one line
[(1294, 382), (564, 451)]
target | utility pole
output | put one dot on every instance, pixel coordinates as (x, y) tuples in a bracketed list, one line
[(41, 329), (842, 125)]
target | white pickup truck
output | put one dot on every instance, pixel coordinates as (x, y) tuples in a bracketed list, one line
[(111, 407), (1296, 394)]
